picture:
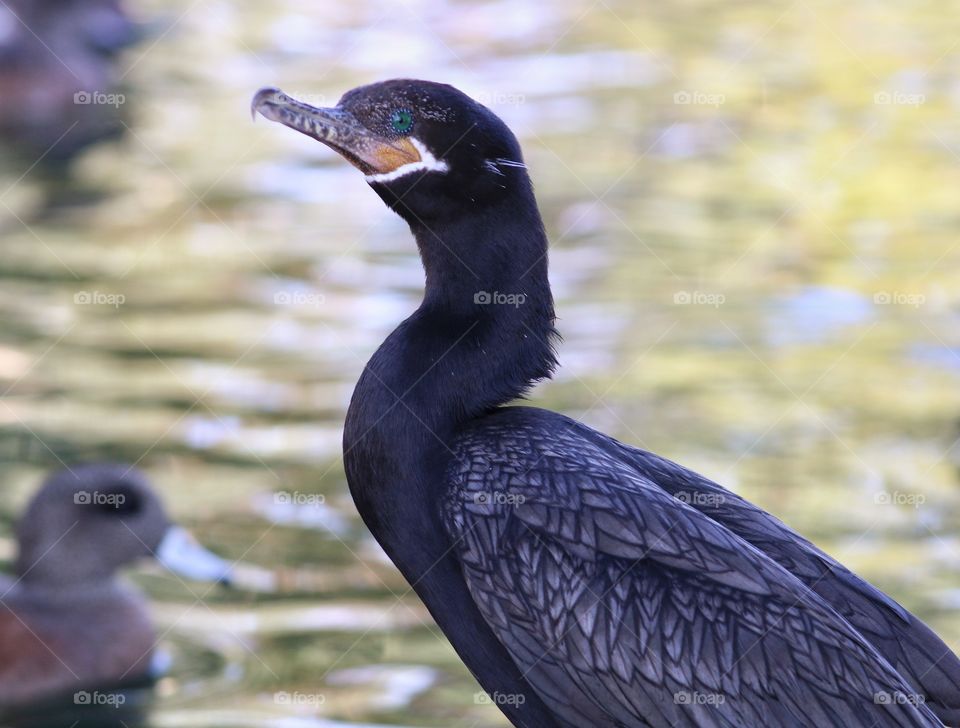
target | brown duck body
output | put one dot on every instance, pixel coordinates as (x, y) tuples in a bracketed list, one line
[(56, 642)]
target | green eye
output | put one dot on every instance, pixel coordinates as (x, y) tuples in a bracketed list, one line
[(401, 121)]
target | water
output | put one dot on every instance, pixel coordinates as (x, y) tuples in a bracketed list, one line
[(755, 260)]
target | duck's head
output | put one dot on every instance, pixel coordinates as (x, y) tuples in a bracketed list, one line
[(87, 521), (430, 151)]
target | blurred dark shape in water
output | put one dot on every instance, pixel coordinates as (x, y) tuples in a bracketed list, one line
[(60, 73), (123, 707)]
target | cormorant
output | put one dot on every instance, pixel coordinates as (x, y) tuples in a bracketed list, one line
[(559, 563)]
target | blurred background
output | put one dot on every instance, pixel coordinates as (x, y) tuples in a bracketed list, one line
[(754, 216)]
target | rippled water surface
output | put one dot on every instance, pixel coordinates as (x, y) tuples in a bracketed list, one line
[(753, 211)]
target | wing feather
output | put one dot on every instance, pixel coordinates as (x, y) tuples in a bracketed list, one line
[(627, 607)]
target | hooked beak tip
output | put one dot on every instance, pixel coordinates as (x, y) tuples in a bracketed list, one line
[(265, 96)]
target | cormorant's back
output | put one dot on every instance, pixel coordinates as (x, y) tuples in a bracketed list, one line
[(623, 606)]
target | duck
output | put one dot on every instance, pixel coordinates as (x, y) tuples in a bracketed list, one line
[(583, 581), (60, 74), (68, 624)]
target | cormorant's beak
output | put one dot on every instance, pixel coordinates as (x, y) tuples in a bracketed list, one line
[(339, 130)]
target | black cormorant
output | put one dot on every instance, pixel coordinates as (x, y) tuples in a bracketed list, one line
[(559, 563)]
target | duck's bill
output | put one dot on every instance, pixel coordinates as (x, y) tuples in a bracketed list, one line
[(339, 130), (180, 552)]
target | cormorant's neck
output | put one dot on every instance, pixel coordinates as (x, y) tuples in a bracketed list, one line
[(486, 270), (500, 249), (483, 333), (481, 337)]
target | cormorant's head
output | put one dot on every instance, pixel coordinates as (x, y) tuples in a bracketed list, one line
[(430, 151)]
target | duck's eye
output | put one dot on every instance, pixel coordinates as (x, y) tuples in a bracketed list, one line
[(401, 121), (118, 501)]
